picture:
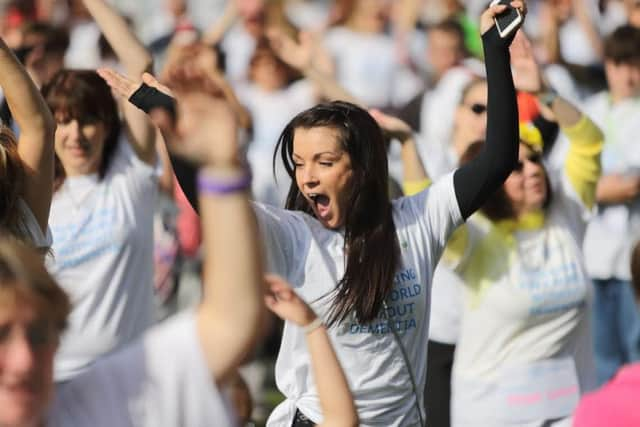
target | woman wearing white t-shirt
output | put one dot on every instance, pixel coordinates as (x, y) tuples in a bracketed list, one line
[(103, 206), (524, 353), (365, 263), (367, 59), (169, 377), (26, 165)]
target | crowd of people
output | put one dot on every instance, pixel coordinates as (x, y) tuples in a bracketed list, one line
[(426, 220)]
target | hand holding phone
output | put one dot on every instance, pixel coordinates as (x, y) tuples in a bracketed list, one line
[(507, 21)]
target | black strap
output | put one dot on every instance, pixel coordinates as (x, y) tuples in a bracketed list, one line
[(148, 98)]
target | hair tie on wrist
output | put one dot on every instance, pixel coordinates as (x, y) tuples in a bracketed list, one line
[(312, 326), (208, 184), (148, 98)]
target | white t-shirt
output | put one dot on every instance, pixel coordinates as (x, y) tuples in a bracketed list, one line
[(575, 47), (102, 256), (270, 112), (83, 51), (612, 233), (310, 15), (446, 307), (238, 46), (160, 380), (31, 229), (525, 339), (311, 258), (437, 116), (368, 67)]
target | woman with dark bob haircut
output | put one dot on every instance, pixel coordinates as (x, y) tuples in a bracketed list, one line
[(365, 263), (102, 211)]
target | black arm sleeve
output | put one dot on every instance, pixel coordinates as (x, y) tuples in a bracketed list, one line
[(477, 180), (186, 174)]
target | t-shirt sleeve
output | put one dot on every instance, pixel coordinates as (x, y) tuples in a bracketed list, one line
[(31, 229), (160, 380), (436, 208), (140, 176), (278, 229)]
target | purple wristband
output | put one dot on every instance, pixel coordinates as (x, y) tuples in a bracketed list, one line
[(208, 184)]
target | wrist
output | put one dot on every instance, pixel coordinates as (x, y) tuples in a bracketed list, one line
[(223, 180), (547, 95), (312, 326)]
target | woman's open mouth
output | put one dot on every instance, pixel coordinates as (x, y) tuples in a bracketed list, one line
[(321, 203)]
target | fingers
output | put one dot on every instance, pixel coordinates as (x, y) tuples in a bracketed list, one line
[(520, 5), (379, 116), (150, 80), (495, 10), (277, 285), (121, 85)]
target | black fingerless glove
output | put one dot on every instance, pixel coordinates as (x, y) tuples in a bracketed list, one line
[(148, 98)]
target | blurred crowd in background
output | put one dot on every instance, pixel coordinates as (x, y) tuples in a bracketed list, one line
[(414, 59)]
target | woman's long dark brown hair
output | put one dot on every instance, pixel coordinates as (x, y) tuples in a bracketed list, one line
[(371, 244)]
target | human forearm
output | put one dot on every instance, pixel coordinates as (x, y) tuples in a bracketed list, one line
[(615, 189), (414, 175), (129, 50), (336, 400), (564, 112), (37, 128), (27, 105), (232, 307), (478, 179), (136, 60)]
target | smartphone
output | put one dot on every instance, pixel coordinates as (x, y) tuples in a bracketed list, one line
[(507, 21)]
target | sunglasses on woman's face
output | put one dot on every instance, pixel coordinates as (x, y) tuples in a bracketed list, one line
[(478, 108), (533, 158)]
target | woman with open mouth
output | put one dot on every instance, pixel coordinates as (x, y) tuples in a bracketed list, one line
[(363, 262)]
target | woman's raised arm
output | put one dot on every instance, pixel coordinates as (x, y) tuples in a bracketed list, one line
[(477, 180), (582, 164), (37, 128), (206, 133), (136, 60)]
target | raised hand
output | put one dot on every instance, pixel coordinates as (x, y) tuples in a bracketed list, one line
[(527, 76), (487, 17), (285, 303), (206, 130), (124, 87), (392, 126), (296, 54)]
